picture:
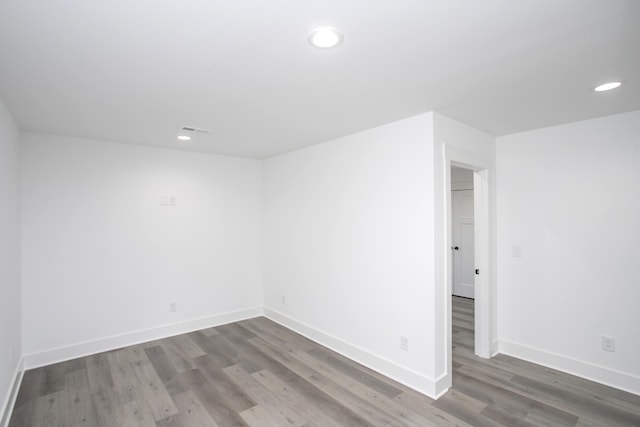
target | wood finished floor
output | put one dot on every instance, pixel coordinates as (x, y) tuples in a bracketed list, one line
[(257, 373)]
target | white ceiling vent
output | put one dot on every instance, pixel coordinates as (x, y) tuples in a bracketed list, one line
[(194, 129)]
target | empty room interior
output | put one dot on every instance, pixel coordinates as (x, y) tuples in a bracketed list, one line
[(334, 213)]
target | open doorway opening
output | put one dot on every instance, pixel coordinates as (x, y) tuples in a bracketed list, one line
[(462, 262), (481, 308)]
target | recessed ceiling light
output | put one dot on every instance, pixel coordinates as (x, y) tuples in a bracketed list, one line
[(184, 137), (325, 37), (607, 86)]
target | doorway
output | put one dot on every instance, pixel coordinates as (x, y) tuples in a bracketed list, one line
[(462, 228), (482, 308), (462, 264)]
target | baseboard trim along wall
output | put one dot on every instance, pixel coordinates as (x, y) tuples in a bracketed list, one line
[(10, 401), (406, 376), (442, 386), (589, 371), (48, 357)]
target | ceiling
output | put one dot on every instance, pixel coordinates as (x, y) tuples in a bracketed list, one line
[(136, 71)]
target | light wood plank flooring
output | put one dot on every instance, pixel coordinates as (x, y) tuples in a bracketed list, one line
[(257, 373)]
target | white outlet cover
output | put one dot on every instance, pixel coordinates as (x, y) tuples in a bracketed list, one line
[(516, 251), (404, 343), (609, 344)]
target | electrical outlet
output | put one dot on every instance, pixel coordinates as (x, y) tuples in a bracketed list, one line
[(516, 251), (404, 343), (173, 307), (608, 344)]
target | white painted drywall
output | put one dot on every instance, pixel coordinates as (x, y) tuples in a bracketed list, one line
[(455, 140), (10, 334), (101, 257), (349, 244), (569, 196)]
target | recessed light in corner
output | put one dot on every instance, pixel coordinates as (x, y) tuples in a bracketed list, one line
[(325, 37), (184, 137), (607, 86)]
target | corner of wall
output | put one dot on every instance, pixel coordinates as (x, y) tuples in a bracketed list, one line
[(10, 291), (8, 405)]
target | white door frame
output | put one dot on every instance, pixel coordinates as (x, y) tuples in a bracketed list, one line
[(482, 249), (454, 156)]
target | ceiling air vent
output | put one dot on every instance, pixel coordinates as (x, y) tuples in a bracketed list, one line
[(194, 129)]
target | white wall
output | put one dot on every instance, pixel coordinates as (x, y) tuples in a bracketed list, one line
[(349, 245), (10, 340), (569, 195), (101, 257)]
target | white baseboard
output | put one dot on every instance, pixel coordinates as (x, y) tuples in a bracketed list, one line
[(599, 374), (48, 357), (442, 385), (10, 400), (406, 376)]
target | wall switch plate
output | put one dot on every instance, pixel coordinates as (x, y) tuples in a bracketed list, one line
[(173, 307), (404, 343), (608, 344), (11, 356), (283, 300), (516, 251)]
